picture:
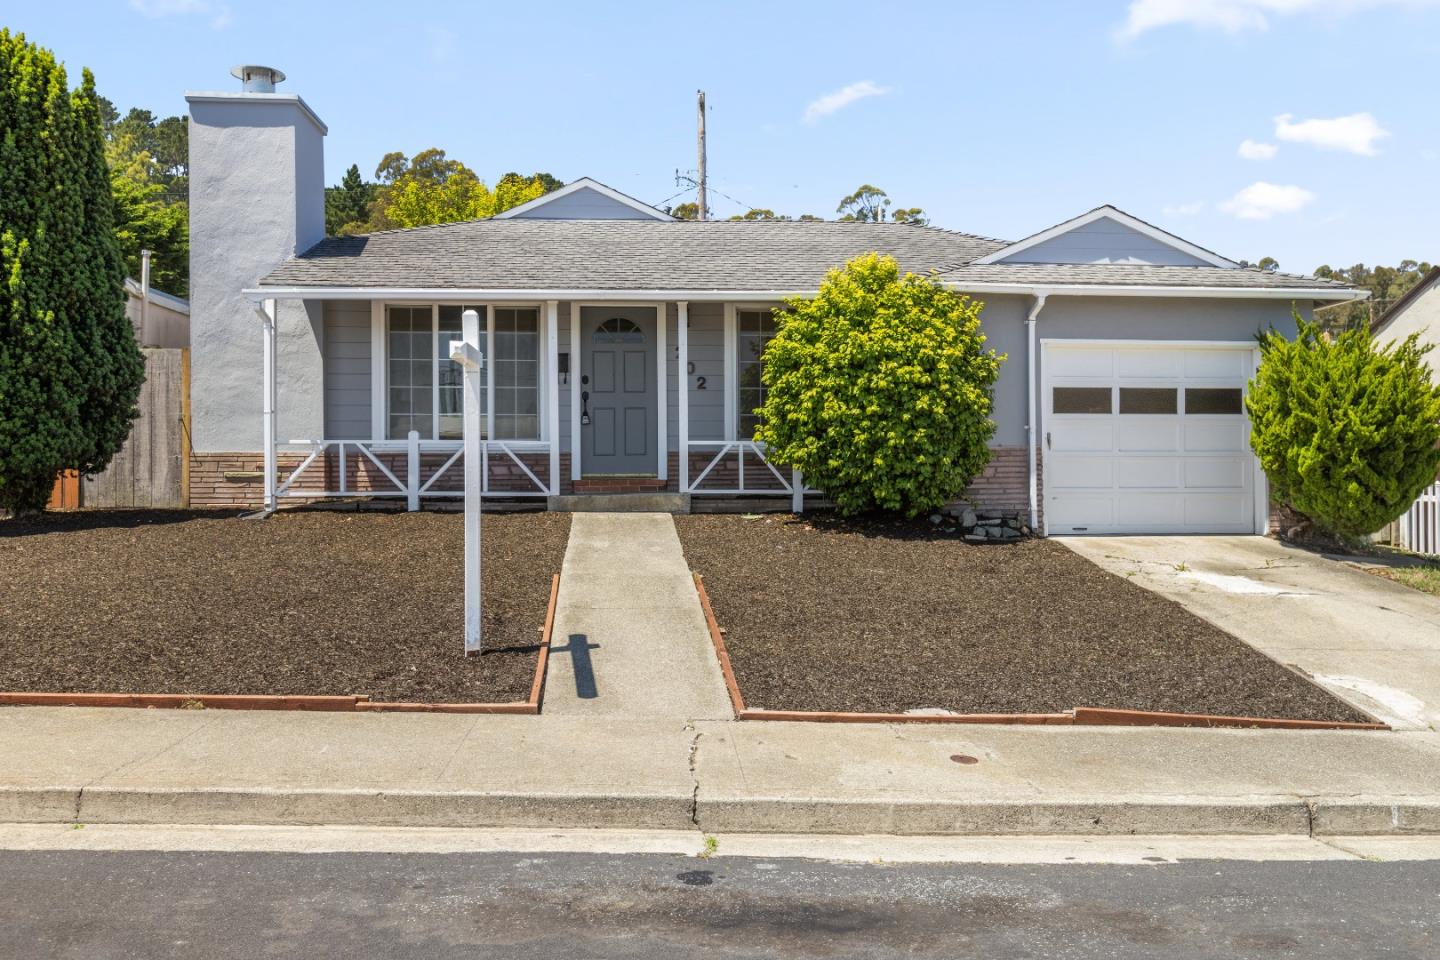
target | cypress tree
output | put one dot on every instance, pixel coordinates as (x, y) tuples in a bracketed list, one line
[(70, 370)]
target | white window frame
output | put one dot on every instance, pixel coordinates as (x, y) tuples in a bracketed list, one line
[(380, 369), (732, 362)]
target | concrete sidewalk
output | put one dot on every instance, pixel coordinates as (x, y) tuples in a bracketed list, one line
[(1371, 642), (97, 765), (630, 639)]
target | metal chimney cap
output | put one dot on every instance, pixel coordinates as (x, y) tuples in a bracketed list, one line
[(257, 78)]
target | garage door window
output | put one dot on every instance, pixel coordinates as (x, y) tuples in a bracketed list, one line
[(1081, 400), (1221, 400), (1148, 400)]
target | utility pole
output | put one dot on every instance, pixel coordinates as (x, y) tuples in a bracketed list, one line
[(704, 207)]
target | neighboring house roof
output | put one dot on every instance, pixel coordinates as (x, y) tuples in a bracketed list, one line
[(637, 208), (1424, 284), (533, 257), (1115, 216), (132, 287)]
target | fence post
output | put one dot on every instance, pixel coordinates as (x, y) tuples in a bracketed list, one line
[(797, 492)]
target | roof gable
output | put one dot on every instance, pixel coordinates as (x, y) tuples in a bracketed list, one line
[(1107, 235), (584, 199), (1424, 286)]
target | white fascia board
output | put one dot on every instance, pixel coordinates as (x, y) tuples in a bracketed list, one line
[(584, 183), (450, 294), (259, 98), (427, 295), (1150, 290), (1119, 216)]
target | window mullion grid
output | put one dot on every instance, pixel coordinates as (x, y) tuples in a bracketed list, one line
[(435, 371)]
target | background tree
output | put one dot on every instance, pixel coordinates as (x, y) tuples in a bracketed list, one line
[(1347, 431), (759, 213), (1386, 285), (910, 215), (685, 211), (70, 371), (432, 188), (871, 204), (879, 389), (347, 206), (150, 181)]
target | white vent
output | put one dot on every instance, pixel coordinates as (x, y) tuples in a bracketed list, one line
[(257, 79)]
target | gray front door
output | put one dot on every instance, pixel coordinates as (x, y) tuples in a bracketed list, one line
[(617, 390)]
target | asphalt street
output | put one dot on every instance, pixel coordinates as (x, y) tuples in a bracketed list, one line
[(152, 905)]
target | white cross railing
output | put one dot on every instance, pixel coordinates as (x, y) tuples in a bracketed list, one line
[(794, 485), (1420, 526), (352, 456)]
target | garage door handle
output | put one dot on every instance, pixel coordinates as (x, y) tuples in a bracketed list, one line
[(1047, 439)]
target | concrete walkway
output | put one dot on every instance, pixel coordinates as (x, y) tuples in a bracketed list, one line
[(630, 639), (1371, 642)]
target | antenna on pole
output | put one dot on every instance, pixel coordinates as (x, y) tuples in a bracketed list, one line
[(704, 207)]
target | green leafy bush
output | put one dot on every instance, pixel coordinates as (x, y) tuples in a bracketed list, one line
[(70, 371), (1345, 429), (879, 389)]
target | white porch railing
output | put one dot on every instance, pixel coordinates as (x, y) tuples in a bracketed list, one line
[(772, 481), (370, 468), (1420, 526)]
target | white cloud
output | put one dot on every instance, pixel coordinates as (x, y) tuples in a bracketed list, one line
[(1183, 209), (1356, 133), (1255, 150), (1237, 16), (842, 98), (219, 13), (1261, 201)]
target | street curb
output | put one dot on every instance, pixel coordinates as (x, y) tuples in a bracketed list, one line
[(1192, 816)]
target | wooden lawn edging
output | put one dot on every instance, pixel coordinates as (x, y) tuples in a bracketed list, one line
[(1079, 716), (351, 703)]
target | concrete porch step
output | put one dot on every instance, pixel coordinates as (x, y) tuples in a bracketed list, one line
[(621, 503)]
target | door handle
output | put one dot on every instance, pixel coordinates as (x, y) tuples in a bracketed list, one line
[(1047, 439), (584, 408)]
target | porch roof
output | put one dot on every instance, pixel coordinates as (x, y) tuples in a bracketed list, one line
[(737, 257)]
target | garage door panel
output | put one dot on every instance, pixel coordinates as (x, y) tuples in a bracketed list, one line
[(1082, 363), (1214, 511), (1219, 364), (1147, 364), (1220, 435), (1067, 511), (1155, 510), (1227, 474), (1147, 434), (1083, 436), (1139, 472), (1071, 473)]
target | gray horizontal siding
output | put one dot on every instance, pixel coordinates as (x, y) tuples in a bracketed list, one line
[(347, 369), (1105, 241), (707, 352), (583, 204)]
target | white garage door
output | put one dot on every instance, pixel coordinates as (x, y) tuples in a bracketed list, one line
[(1148, 439)]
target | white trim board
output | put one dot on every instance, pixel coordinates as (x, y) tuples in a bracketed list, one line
[(1108, 212), (575, 186), (618, 297)]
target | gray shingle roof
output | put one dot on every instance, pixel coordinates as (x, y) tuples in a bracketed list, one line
[(522, 254), (1127, 274), (619, 255)]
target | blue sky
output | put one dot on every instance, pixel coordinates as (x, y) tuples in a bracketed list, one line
[(998, 118)]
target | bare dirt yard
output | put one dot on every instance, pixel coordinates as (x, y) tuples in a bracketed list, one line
[(829, 615), (301, 603)]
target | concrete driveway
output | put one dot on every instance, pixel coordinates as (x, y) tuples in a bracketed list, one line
[(1371, 642)]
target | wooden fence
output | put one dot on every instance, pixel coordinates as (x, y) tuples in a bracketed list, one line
[(152, 469)]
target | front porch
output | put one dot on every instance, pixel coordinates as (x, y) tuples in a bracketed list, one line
[(579, 397)]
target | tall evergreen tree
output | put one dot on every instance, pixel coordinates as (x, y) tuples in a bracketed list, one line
[(70, 371)]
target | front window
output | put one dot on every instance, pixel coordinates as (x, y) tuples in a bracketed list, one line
[(754, 329), (425, 388)]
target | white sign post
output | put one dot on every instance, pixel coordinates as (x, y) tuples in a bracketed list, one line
[(467, 353)]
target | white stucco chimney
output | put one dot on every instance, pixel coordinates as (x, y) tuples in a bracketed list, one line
[(257, 198)]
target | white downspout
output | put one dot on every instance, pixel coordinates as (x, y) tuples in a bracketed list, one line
[(145, 338), (1031, 439), (266, 310)]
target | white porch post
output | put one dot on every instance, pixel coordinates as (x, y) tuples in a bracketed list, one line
[(467, 353), (552, 399), (682, 392), (575, 370), (268, 409), (797, 492), (663, 428), (412, 471)]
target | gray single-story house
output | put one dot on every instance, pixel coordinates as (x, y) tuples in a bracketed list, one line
[(1417, 312), (624, 347)]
